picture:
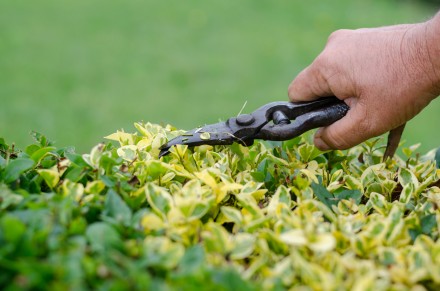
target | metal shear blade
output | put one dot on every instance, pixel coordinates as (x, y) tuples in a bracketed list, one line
[(272, 121)]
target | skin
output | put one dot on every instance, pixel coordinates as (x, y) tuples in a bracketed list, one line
[(387, 75)]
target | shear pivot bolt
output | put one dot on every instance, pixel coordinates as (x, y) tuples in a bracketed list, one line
[(280, 118), (245, 119)]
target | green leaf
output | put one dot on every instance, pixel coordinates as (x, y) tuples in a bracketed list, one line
[(156, 169), (95, 187), (356, 195), (51, 177), (258, 176), (102, 237), (229, 279), (128, 152), (40, 138), (406, 177), (294, 237), (32, 149), (428, 222), (94, 157), (407, 193), (192, 260), (16, 167), (244, 245), (2, 162), (232, 214), (216, 239), (379, 203), (281, 196), (162, 252), (395, 224), (159, 199), (77, 159), (200, 209), (353, 183), (75, 173), (72, 189), (323, 242), (12, 228), (107, 163), (291, 143), (41, 153), (115, 207), (324, 195), (8, 198), (308, 152)]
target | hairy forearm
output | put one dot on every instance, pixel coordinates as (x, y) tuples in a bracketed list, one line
[(433, 46)]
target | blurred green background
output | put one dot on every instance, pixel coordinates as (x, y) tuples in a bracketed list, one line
[(79, 70)]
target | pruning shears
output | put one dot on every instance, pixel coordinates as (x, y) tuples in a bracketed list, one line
[(274, 121)]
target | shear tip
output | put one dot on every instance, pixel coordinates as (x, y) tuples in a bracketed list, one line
[(164, 151)]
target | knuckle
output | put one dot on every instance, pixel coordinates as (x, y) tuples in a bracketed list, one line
[(323, 66), (321, 61), (327, 60), (338, 33)]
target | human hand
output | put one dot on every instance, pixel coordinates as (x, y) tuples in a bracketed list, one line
[(386, 75)]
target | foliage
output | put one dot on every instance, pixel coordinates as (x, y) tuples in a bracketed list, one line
[(273, 216)]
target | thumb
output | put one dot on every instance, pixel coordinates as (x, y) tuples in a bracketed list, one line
[(347, 132), (310, 84)]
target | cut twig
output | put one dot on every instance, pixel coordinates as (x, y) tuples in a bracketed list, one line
[(393, 141)]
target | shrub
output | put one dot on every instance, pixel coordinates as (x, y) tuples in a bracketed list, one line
[(272, 216)]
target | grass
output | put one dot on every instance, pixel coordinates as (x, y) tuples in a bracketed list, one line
[(78, 70)]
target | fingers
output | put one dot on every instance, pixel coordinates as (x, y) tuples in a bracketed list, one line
[(310, 84), (347, 132), (351, 130)]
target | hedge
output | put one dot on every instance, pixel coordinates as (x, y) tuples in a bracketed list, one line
[(276, 215)]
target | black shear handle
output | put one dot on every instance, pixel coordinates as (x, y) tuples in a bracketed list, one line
[(313, 119)]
